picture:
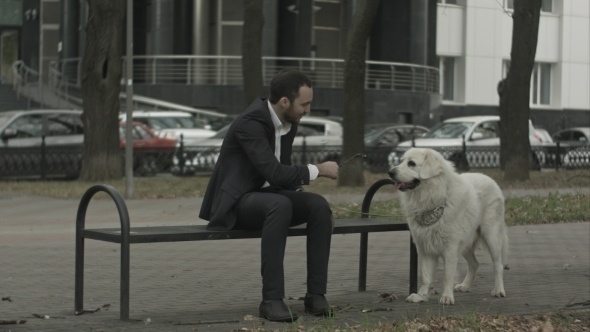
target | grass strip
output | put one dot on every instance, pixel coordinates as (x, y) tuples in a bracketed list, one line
[(528, 210)]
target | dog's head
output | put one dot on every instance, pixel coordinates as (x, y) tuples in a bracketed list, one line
[(417, 165)]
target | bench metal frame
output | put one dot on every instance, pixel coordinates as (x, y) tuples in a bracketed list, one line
[(127, 235)]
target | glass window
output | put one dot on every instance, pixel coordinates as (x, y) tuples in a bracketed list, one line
[(28, 126), (579, 136), (326, 14), (390, 137), (547, 6), (11, 12), (508, 4), (232, 10), (447, 78), (4, 118), (158, 123), (487, 129), (64, 124), (320, 128), (448, 130), (541, 84), (563, 136), (142, 133)]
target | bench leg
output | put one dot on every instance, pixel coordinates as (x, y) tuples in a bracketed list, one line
[(363, 262), (125, 259), (413, 267), (79, 278)]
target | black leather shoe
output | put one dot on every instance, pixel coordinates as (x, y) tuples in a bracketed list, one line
[(276, 311), (317, 305)]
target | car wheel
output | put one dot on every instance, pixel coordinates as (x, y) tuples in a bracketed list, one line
[(147, 166)]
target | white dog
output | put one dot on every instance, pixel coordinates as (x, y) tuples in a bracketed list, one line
[(448, 214)]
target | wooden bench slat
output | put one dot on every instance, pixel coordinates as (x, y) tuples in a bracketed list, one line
[(199, 232)]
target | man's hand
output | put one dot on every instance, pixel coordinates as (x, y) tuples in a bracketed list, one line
[(329, 169)]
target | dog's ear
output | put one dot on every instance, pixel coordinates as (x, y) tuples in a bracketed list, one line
[(431, 166)]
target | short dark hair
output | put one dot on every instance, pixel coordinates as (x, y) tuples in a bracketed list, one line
[(287, 83)]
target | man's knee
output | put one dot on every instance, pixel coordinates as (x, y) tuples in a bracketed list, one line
[(319, 204)]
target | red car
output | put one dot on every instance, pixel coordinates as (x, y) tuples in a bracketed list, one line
[(151, 154)]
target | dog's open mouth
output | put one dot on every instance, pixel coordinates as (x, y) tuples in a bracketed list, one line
[(403, 186)]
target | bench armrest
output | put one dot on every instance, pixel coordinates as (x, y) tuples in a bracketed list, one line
[(369, 195)]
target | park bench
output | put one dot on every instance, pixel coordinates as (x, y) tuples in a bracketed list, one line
[(127, 235)]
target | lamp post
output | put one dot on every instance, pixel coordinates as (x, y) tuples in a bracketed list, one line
[(129, 104)]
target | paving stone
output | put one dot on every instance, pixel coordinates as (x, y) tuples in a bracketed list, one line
[(219, 281)]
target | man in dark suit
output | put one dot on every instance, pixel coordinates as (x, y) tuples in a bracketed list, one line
[(254, 186)]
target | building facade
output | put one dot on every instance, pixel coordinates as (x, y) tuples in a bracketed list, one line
[(469, 41), (473, 47)]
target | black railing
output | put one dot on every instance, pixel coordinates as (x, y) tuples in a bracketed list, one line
[(66, 161), (549, 156)]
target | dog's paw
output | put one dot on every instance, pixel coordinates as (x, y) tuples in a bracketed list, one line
[(415, 298), (447, 299), (461, 288), (498, 293)]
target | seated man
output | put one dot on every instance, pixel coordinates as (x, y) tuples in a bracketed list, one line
[(254, 186)]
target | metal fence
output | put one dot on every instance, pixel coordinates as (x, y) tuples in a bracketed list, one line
[(550, 156), (66, 161)]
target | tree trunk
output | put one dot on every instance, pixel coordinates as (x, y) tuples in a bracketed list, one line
[(514, 91), (354, 92), (101, 86), (252, 50)]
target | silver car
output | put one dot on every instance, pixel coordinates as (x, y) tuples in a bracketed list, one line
[(576, 145), (319, 134), (27, 128), (23, 133), (482, 139)]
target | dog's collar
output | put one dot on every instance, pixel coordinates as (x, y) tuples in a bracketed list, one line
[(429, 218)]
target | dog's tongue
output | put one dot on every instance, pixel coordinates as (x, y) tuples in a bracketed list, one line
[(399, 185)]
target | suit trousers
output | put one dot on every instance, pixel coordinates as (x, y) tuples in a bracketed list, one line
[(273, 210)]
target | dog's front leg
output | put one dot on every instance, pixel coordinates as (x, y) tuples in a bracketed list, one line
[(428, 266), (450, 261)]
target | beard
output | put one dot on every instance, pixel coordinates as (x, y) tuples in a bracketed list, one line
[(290, 115)]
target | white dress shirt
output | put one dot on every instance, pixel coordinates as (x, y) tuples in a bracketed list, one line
[(280, 130)]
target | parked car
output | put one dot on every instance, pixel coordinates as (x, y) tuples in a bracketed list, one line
[(576, 141), (22, 134), (379, 140), (26, 128), (577, 136), (479, 131), (543, 135), (203, 154), (152, 153), (172, 124)]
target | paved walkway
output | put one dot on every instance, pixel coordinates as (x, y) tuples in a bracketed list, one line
[(197, 285)]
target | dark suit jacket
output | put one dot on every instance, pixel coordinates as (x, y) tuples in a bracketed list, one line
[(247, 159)]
